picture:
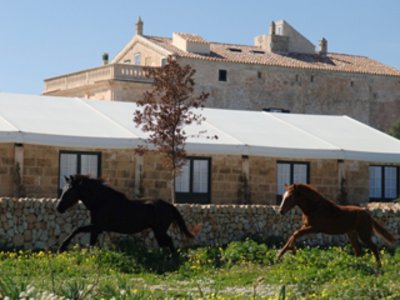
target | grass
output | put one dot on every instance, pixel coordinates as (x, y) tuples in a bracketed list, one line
[(241, 270)]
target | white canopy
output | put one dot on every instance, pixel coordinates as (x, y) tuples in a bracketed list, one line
[(74, 122)]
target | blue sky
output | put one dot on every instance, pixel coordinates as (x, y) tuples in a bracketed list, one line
[(46, 38)]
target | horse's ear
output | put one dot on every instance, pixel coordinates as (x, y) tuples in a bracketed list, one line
[(286, 186), (66, 179)]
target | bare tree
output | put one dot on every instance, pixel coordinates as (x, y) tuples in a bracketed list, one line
[(166, 110)]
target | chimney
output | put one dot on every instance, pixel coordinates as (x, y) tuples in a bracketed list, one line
[(323, 46), (273, 42), (105, 58), (139, 26)]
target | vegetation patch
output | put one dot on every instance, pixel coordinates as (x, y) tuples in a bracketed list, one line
[(241, 270)]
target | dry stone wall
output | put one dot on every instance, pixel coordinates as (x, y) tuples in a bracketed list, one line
[(34, 224)]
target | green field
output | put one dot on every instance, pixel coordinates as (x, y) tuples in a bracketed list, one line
[(241, 270)]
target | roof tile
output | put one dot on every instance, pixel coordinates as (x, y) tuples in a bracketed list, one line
[(255, 55)]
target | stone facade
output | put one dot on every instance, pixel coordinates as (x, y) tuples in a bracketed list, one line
[(7, 169), (28, 223), (282, 70), (40, 169), (110, 82), (233, 179), (373, 100)]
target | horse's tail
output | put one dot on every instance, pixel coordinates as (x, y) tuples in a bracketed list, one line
[(182, 225), (382, 232)]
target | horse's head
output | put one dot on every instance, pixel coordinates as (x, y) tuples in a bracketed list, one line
[(71, 192), (288, 199)]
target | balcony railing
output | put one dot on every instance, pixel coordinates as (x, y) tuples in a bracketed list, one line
[(121, 72)]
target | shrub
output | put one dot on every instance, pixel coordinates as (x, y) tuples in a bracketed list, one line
[(247, 251)]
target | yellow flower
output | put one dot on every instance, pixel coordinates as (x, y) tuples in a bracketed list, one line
[(40, 254)]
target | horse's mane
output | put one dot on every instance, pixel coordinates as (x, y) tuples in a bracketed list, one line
[(97, 182), (314, 198), (80, 178)]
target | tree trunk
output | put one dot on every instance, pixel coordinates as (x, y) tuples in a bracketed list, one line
[(173, 179)]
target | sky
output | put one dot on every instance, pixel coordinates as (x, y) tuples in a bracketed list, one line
[(46, 38)]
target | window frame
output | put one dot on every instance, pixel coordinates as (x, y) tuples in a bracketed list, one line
[(195, 197), (291, 175), (79, 163), (382, 183)]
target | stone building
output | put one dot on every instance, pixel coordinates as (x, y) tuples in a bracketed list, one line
[(281, 71), (43, 139)]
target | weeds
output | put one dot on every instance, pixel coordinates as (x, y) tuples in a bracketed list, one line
[(10, 289), (241, 270)]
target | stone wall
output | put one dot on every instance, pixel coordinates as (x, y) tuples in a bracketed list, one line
[(225, 177), (149, 56), (7, 169), (126, 91), (40, 174), (34, 224), (371, 99), (235, 179), (262, 180)]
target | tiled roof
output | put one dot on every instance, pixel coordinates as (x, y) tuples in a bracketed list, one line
[(255, 55)]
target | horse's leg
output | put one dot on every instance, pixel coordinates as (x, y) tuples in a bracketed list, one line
[(289, 245), (163, 239), (365, 236), (353, 238), (64, 245), (292, 239)]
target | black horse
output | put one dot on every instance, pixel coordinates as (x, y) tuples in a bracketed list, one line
[(110, 210)]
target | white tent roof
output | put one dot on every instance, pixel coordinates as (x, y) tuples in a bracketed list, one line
[(74, 122)]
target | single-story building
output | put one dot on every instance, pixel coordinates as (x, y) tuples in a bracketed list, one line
[(43, 138)]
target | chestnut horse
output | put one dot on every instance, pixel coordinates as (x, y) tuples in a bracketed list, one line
[(111, 210), (321, 215)]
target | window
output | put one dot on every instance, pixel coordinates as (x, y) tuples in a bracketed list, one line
[(289, 173), (192, 185), (71, 163), (163, 61), (383, 183), (138, 58), (222, 75)]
